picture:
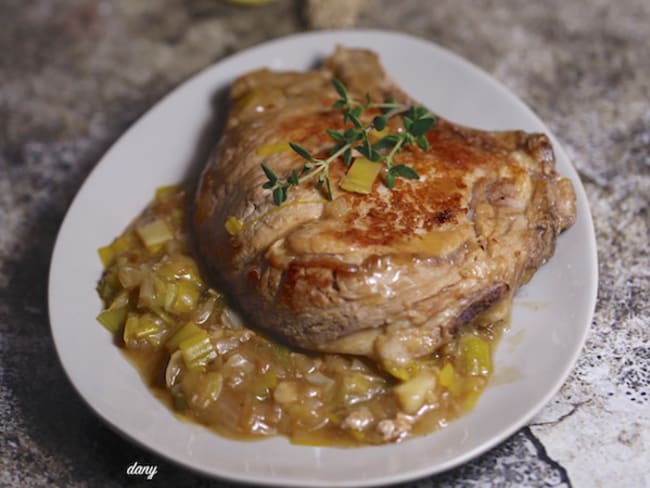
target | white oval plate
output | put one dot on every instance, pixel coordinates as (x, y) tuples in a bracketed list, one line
[(541, 347)]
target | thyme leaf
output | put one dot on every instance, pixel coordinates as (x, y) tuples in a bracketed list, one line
[(301, 151), (416, 122)]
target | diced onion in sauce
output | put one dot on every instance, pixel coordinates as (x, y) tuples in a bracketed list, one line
[(222, 374)]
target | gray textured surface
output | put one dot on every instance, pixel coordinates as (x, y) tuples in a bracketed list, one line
[(74, 74)]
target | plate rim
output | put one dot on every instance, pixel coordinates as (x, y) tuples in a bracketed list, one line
[(590, 242)]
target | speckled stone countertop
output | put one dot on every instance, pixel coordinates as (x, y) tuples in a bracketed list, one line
[(74, 74)]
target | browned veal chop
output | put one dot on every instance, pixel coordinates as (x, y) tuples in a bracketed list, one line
[(392, 274)]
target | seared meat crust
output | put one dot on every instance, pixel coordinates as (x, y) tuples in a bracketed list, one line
[(391, 274)]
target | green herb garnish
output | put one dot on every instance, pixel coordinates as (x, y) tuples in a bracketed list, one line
[(416, 121)]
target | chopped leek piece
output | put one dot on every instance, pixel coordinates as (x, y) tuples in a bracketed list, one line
[(170, 296), (188, 330), (164, 192), (132, 322), (274, 148), (147, 293), (121, 244), (164, 316), (160, 292), (197, 351), (449, 380), (375, 135), (179, 267), (412, 394), (129, 276), (361, 176), (106, 254), (147, 328), (187, 296), (120, 300), (474, 356), (113, 319), (233, 225), (149, 331), (143, 328), (154, 234), (250, 97)]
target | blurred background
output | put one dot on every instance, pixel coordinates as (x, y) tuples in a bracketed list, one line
[(75, 74)]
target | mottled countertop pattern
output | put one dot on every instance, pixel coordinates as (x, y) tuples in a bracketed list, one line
[(74, 74)]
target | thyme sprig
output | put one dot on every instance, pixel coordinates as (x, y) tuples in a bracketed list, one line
[(416, 121)]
